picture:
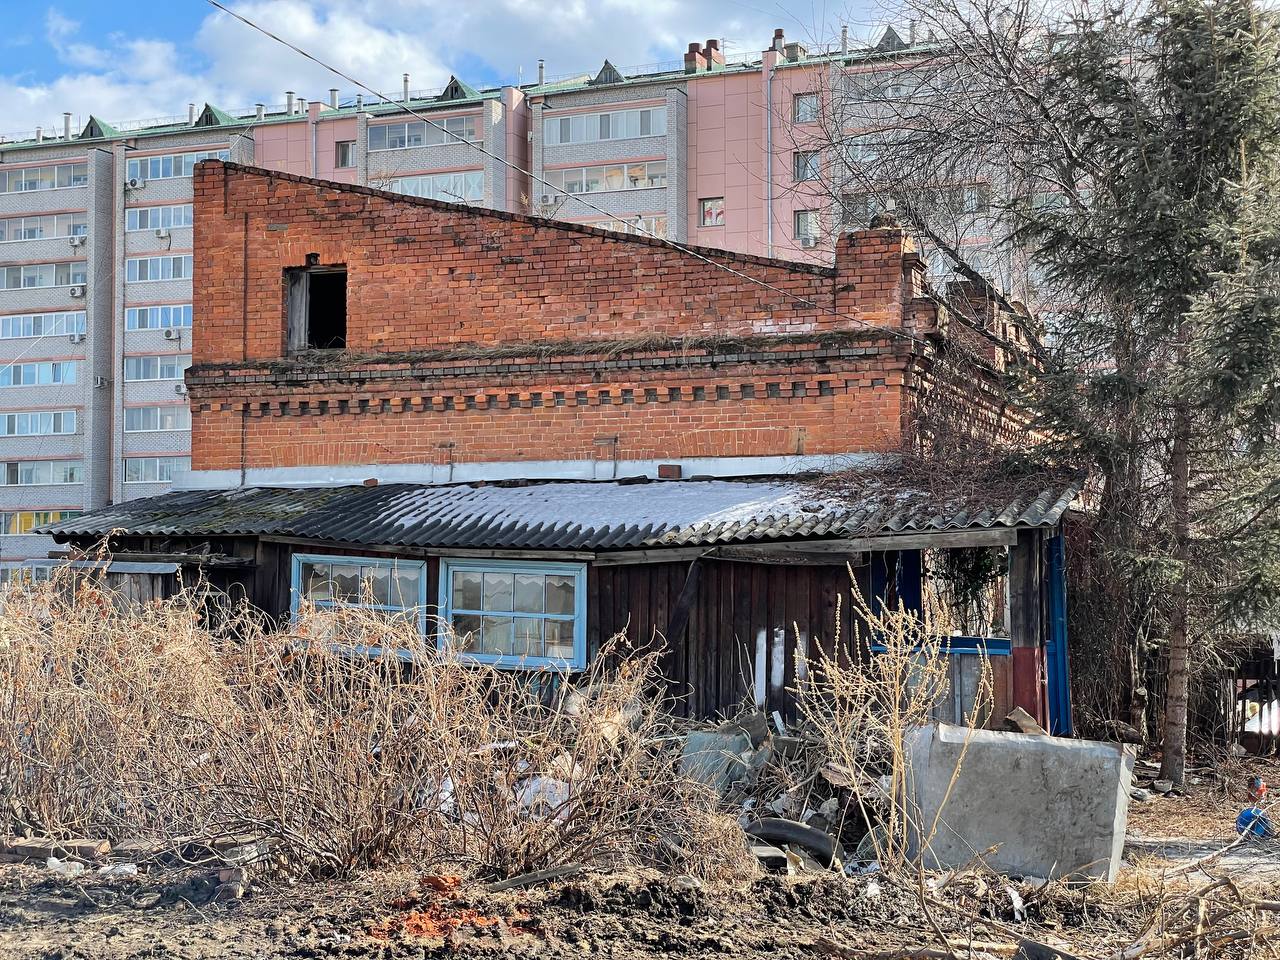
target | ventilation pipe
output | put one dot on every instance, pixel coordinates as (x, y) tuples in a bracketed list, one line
[(191, 114), (911, 32), (542, 71), (259, 111), (39, 134), (359, 102), (333, 98), (66, 126), (406, 88), (844, 40), (288, 101), (302, 105)]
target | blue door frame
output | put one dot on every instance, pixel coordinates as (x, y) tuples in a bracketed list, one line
[(1058, 675)]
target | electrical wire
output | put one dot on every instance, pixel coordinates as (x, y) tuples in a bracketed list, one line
[(803, 301)]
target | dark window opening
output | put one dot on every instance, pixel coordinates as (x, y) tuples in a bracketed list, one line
[(317, 308)]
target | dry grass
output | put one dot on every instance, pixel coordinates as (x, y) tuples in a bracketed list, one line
[(345, 742)]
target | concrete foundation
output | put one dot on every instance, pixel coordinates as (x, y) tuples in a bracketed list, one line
[(1052, 807)]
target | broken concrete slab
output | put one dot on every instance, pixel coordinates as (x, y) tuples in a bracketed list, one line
[(1050, 806), (715, 759), (1019, 721), (42, 848)]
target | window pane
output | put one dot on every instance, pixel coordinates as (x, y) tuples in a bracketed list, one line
[(376, 578), (466, 590), (346, 582), (406, 587), (527, 637), (315, 581), (497, 635), (498, 591), (560, 594), (529, 591), (466, 630), (559, 639)]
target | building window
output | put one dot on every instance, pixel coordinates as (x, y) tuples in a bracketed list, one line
[(40, 473), (43, 275), (613, 125), (646, 226), (24, 521), (157, 318), (344, 154), (40, 374), (156, 419), (23, 325), (807, 164), (44, 227), (804, 108), (51, 177), (857, 209), (416, 133), (159, 218), (316, 302), (29, 571), (147, 269), (711, 212), (171, 165), (154, 469), (394, 586), (169, 366), (808, 225), (516, 614), (46, 423), (615, 176), (464, 187)]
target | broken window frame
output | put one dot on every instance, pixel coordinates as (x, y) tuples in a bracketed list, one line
[(297, 296)]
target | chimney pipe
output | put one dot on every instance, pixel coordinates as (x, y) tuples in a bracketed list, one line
[(333, 98), (359, 102), (844, 40), (288, 102), (406, 88), (778, 40), (191, 114), (542, 71), (39, 134), (911, 31), (302, 105), (66, 126), (259, 111)]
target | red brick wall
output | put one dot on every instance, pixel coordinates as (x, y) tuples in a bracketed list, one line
[(812, 377)]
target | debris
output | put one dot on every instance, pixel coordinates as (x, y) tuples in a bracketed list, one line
[(752, 723), (118, 870), (42, 848), (1162, 786), (225, 892), (714, 759), (1257, 789), (771, 857), (1137, 793), (821, 845), (536, 877), (1035, 950), (64, 868), (1254, 821), (1019, 721)]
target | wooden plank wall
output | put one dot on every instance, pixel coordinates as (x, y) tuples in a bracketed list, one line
[(746, 624)]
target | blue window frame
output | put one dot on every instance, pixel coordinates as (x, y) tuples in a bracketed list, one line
[(516, 614), (396, 585)]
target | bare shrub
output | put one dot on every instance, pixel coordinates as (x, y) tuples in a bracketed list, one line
[(864, 710), (347, 741)]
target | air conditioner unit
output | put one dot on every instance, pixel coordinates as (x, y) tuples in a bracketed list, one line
[(77, 291), (171, 334), (76, 337), (101, 382), (78, 240), (808, 243), (134, 183), (548, 199), (162, 232), (180, 389)]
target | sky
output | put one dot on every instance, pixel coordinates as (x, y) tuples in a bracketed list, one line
[(127, 60)]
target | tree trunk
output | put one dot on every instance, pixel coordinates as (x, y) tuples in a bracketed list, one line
[(1174, 762)]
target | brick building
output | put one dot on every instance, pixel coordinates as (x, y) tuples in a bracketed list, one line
[(457, 402)]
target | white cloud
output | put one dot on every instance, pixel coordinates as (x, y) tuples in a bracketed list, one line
[(229, 64)]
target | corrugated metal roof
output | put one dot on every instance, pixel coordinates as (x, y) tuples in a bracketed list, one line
[(570, 515)]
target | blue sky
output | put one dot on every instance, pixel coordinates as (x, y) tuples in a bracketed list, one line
[(130, 60)]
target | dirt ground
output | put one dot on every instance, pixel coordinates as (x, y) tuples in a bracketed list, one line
[(415, 914)]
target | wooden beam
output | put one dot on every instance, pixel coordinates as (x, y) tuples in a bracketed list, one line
[(411, 551)]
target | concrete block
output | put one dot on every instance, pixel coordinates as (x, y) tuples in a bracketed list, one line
[(1053, 807)]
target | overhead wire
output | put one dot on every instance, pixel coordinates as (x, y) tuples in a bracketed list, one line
[(689, 251)]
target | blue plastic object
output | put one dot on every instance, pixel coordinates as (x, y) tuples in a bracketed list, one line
[(1253, 820)]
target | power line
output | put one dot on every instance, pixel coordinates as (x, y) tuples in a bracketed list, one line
[(804, 301)]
